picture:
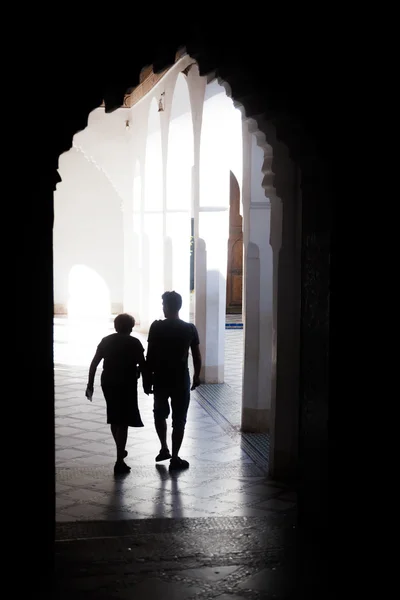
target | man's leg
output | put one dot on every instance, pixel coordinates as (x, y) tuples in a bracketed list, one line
[(177, 438), (161, 412), (180, 403), (161, 428)]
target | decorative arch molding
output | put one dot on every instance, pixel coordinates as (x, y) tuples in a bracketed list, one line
[(93, 162)]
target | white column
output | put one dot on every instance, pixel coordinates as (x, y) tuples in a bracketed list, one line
[(258, 319), (211, 262), (129, 257), (211, 256), (211, 266), (132, 249), (153, 222)]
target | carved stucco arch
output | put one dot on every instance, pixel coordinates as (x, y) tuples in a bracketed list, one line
[(95, 164), (260, 125)]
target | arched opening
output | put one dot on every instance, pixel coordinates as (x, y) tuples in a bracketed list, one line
[(88, 230), (221, 153), (234, 280), (133, 255), (179, 202), (187, 162), (282, 110), (153, 222)]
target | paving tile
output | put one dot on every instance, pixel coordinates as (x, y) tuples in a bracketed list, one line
[(68, 442), (209, 574), (90, 426), (61, 487), (229, 597), (264, 489), (66, 431), (66, 453), (87, 512), (92, 435), (276, 504), (271, 580), (95, 447), (63, 421), (157, 589)]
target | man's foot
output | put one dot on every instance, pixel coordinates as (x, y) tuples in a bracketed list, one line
[(125, 453), (121, 468), (178, 463), (163, 455)]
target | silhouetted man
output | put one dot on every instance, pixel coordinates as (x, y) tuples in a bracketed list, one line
[(167, 360)]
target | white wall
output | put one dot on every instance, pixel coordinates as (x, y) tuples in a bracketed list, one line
[(87, 231)]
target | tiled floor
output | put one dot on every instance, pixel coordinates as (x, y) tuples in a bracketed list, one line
[(222, 479)]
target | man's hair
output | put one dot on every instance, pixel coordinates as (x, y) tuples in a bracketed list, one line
[(123, 323), (172, 301)]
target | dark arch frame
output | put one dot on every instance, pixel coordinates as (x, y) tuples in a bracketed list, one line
[(286, 103)]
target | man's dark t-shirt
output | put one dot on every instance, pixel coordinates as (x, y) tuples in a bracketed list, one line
[(168, 349), (121, 354)]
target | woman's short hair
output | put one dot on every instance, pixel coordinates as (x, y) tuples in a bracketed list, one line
[(124, 323)]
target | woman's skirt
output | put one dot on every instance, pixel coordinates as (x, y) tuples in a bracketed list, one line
[(122, 405)]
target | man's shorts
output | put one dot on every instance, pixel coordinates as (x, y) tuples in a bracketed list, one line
[(179, 393)]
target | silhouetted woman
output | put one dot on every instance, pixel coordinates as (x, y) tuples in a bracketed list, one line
[(123, 357)]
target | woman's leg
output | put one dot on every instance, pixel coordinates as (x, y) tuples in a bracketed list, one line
[(114, 432), (120, 435), (121, 438)]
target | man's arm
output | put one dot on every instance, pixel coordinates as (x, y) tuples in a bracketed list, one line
[(196, 356), (92, 372), (146, 376)]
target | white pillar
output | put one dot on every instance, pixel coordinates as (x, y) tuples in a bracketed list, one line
[(211, 266), (132, 249), (210, 288), (153, 222), (258, 319), (211, 257)]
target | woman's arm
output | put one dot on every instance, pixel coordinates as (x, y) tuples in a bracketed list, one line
[(92, 372)]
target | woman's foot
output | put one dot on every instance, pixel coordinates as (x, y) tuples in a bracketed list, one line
[(178, 463), (121, 468), (163, 455)]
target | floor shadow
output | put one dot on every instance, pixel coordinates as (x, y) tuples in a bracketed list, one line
[(116, 499), (169, 493)]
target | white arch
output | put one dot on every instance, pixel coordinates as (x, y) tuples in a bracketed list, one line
[(221, 151), (179, 200), (132, 246), (152, 243), (88, 230)]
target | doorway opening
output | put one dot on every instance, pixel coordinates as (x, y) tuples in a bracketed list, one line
[(234, 279), (168, 217)]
